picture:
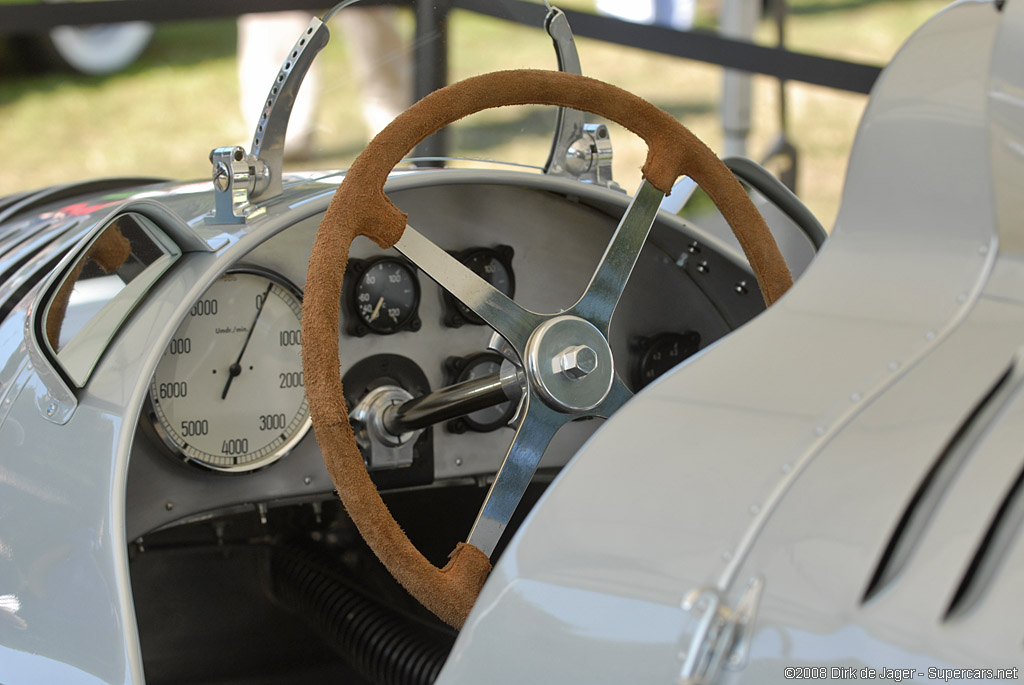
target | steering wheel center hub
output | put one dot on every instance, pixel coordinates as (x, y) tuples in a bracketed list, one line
[(570, 364)]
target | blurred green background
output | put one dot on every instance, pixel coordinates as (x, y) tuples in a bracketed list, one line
[(163, 115)]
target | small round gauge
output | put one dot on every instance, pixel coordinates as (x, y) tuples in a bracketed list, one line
[(386, 296), (229, 391), (495, 267), (663, 352), (477, 366)]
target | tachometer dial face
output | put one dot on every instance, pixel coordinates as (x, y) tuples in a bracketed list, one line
[(386, 296), (492, 265), (229, 392)]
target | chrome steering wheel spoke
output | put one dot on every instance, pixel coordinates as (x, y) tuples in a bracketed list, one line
[(512, 322), (539, 425), (525, 332), (617, 396), (602, 294)]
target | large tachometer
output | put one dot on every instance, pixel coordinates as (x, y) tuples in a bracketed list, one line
[(229, 392)]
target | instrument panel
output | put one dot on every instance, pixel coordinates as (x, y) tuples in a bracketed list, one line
[(539, 247), (228, 394)]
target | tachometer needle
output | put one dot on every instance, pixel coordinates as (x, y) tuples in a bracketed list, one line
[(376, 310), (236, 368)]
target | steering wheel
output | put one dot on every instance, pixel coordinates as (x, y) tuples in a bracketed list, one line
[(566, 356)]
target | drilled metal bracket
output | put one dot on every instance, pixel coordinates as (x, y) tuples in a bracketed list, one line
[(241, 178), (722, 638), (268, 140)]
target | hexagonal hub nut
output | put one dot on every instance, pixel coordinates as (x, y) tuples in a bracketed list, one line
[(577, 361)]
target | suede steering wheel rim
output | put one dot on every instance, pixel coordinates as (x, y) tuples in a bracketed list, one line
[(360, 207)]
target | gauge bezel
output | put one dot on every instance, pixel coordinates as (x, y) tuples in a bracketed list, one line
[(458, 369), (454, 316), (358, 326), (283, 450)]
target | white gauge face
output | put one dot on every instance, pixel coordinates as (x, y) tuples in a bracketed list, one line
[(229, 392)]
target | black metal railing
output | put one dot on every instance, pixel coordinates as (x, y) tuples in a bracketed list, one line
[(431, 17), (430, 56)]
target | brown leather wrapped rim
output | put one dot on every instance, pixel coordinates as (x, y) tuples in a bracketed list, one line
[(360, 207)]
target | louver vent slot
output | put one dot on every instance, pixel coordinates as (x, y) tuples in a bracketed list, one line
[(933, 487), (991, 551)]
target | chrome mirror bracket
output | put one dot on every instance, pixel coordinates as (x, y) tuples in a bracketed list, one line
[(241, 178), (578, 150), (568, 122)]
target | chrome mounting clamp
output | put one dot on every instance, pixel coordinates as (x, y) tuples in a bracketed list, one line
[(240, 178)]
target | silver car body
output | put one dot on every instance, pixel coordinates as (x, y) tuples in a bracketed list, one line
[(730, 522)]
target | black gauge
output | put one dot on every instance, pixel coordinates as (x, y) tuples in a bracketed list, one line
[(472, 367), (494, 265), (384, 297), (661, 353)]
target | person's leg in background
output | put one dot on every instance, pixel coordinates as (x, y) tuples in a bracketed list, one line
[(381, 61)]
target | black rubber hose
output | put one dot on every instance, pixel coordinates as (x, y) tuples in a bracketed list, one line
[(382, 644)]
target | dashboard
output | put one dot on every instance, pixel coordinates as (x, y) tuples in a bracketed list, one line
[(226, 425)]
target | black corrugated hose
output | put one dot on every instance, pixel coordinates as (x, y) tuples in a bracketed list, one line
[(384, 645)]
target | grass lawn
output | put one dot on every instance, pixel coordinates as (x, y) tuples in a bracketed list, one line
[(164, 115)]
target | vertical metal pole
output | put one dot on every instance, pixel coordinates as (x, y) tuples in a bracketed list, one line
[(431, 67), (737, 19)]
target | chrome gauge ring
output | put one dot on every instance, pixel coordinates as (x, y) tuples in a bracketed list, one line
[(229, 392)]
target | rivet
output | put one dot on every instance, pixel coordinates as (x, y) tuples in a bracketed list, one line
[(741, 288), (703, 267), (820, 430), (458, 461), (51, 408), (169, 506), (894, 366), (855, 397), (307, 480)]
